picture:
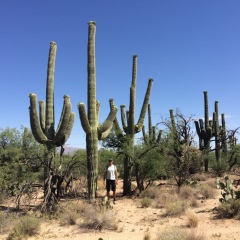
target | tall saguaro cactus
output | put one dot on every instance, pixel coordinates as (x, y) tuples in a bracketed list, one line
[(43, 128), (204, 131), (89, 121), (130, 128)]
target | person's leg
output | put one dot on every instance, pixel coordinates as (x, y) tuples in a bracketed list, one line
[(108, 188), (114, 190)]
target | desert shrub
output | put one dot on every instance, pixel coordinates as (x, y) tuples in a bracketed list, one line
[(186, 192), (71, 213), (147, 236), (229, 209), (146, 202), (151, 192), (199, 177), (99, 217), (177, 234), (192, 219), (207, 191), (25, 227), (176, 208), (6, 221)]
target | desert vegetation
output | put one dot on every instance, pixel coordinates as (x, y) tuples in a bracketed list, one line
[(172, 184)]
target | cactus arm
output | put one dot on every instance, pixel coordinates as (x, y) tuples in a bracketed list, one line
[(83, 118), (66, 109), (198, 129), (35, 125), (150, 128), (123, 118), (42, 114), (159, 136), (140, 122), (206, 116), (68, 130), (108, 122), (63, 123), (103, 135), (49, 131)]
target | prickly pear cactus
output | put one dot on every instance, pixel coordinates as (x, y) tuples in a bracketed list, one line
[(227, 189)]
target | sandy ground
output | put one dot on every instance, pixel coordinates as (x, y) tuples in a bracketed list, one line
[(134, 222)]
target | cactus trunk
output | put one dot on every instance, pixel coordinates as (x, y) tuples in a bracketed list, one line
[(89, 121)]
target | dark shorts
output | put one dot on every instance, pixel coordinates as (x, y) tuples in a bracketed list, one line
[(111, 184)]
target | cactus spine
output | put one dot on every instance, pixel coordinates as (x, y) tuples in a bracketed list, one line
[(89, 120), (43, 128)]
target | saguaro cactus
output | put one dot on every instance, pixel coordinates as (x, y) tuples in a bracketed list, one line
[(129, 126), (90, 122), (43, 128), (151, 136), (204, 131)]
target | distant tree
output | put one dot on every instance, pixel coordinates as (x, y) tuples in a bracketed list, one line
[(178, 147)]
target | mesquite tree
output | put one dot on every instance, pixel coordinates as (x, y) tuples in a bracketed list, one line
[(90, 121), (43, 128)]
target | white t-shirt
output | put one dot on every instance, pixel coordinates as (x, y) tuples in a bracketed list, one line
[(111, 172)]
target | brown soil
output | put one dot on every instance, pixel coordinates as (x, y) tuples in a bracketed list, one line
[(134, 222)]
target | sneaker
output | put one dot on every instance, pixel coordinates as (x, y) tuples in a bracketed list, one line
[(114, 202)]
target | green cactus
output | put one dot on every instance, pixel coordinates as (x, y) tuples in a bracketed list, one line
[(43, 128), (204, 131), (151, 136), (227, 189), (89, 121), (129, 126)]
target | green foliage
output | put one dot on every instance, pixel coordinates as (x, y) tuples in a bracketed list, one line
[(19, 153)]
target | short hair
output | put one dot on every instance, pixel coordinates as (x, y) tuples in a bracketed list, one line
[(110, 160)]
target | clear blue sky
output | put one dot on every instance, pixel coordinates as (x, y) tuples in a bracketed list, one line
[(186, 46)]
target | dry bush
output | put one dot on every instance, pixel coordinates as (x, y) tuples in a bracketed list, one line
[(151, 192), (192, 219), (146, 202), (175, 208), (6, 222), (71, 213), (229, 209), (199, 177), (165, 198), (147, 236), (25, 227), (189, 194), (177, 234), (186, 192), (211, 182), (99, 217), (207, 191)]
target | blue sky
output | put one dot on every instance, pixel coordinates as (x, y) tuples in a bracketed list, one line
[(185, 46)]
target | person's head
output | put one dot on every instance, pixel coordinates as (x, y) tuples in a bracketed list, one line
[(110, 161)]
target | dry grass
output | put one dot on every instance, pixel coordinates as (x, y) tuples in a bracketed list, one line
[(25, 227), (177, 234), (207, 191), (146, 202), (99, 217), (151, 192), (192, 219), (200, 177), (176, 208)]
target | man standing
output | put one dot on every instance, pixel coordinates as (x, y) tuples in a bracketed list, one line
[(111, 177)]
